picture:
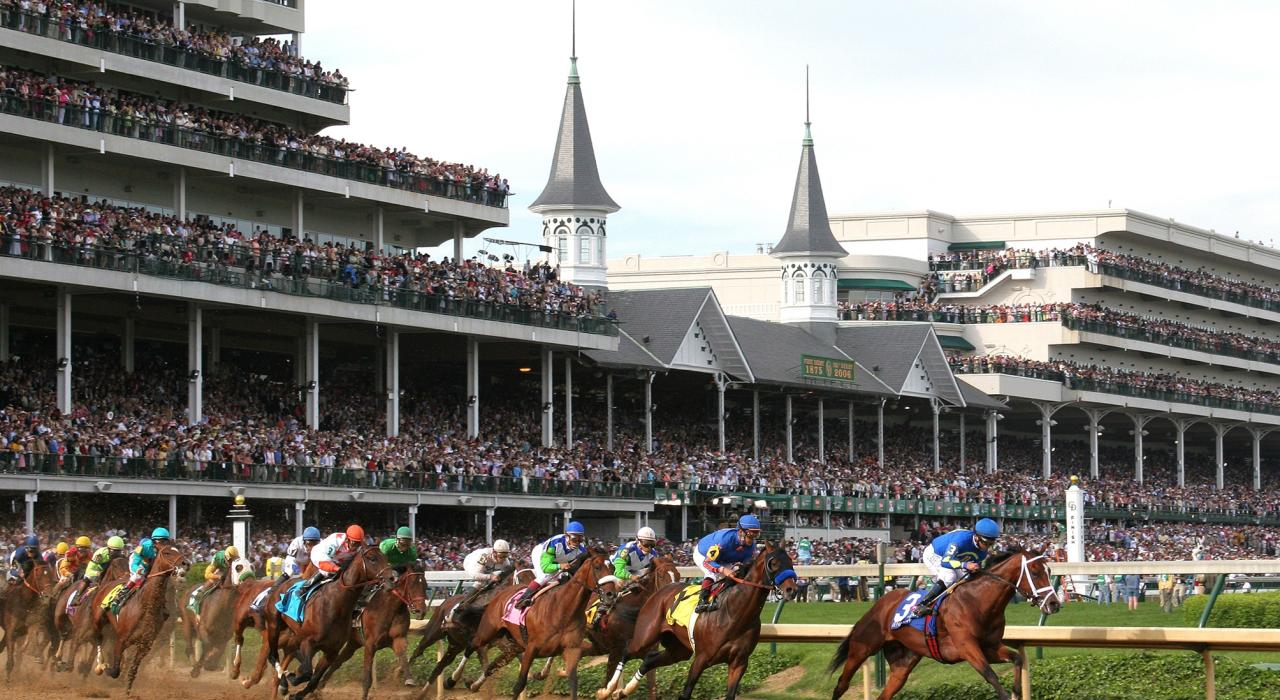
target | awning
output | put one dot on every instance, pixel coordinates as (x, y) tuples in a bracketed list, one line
[(978, 245), (954, 342), (888, 285)]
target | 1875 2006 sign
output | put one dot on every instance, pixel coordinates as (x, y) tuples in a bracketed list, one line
[(826, 368)]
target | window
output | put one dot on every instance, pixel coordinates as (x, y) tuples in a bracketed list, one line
[(584, 250), (562, 249), (799, 291), (600, 257), (817, 290)]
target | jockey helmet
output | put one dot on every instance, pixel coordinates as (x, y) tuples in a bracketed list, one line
[(355, 533), (62, 548), (160, 533), (232, 552), (748, 522), (83, 541), (115, 542), (312, 533), (646, 534), (574, 528), (987, 528), (404, 533), (32, 541), (501, 546)]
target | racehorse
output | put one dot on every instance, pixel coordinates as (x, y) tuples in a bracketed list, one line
[(70, 625), (207, 633), (970, 624), (727, 634), (243, 616), (458, 629), (383, 623), (613, 628), (141, 616), (552, 627), (326, 624), (20, 602)]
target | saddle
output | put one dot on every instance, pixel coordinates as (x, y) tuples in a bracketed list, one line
[(292, 604)]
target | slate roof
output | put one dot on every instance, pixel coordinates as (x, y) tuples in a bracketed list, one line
[(808, 229), (574, 179), (774, 350), (661, 315), (891, 350)]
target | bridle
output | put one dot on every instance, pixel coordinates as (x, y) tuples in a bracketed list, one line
[(403, 583), (777, 579), (1038, 595), (360, 555)]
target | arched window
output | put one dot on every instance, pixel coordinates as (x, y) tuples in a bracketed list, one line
[(799, 287)]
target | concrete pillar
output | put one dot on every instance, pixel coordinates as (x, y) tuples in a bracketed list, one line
[(648, 413), (298, 221), (684, 522), (173, 516), (962, 455), (195, 364), (180, 193), (608, 411), (880, 434), (568, 400), (473, 387), (215, 346), (128, 341), (1095, 417), (66, 510), (1139, 432), (391, 366), (548, 398), (1046, 424), (299, 514), (47, 167), (379, 223), (300, 361), (4, 331), (639, 521), (180, 15), (413, 521), (790, 452), (755, 423), (459, 235), (851, 435), (822, 432), (1219, 432), (936, 407), (313, 373), (1258, 434), (721, 383), (488, 524), (30, 522), (1180, 444), (63, 352), (992, 456), (295, 43)]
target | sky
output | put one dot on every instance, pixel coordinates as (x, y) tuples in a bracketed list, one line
[(697, 108)]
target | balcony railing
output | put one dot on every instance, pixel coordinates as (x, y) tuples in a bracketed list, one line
[(1177, 285), (26, 463), (1173, 340), (135, 127), (962, 283), (70, 31), (232, 269)]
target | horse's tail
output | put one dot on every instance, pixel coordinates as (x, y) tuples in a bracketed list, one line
[(859, 632), (841, 655), (432, 630)]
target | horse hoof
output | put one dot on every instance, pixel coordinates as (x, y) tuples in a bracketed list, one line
[(410, 682), (602, 694), (449, 683), (246, 684)]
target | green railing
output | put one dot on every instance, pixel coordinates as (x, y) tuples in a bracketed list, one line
[(254, 149), (25, 464), (1159, 279), (1173, 340), (1021, 260), (230, 268), (99, 36)]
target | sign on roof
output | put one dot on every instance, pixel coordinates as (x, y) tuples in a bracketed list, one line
[(814, 367)]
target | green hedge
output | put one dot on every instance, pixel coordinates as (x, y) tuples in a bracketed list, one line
[(196, 573), (1236, 610), (1140, 676)]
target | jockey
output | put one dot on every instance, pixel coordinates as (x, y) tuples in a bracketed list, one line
[(720, 548), (274, 567), (486, 566), (141, 560), (552, 558), (222, 561), (332, 553), (949, 554), (24, 558), (102, 558), (636, 556), (298, 554), (72, 566), (53, 554), (400, 551)]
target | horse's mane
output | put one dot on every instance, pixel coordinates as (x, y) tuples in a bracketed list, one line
[(998, 559)]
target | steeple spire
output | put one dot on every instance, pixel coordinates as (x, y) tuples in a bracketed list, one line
[(808, 135), (808, 230)]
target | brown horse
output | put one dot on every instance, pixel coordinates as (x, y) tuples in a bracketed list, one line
[(613, 629), (142, 616), (383, 623), (243, 616), (69, 624), (327, 622), (970, 625), (207, 633), (552, 627), (727, 634), (458, 629), (22, 603)]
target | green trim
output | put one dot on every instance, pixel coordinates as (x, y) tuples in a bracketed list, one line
[(954, 342), (978, 245), (889, 285)]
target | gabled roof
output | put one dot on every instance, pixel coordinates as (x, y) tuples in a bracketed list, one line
[(893, 351), (973, 398), (660, 320), (631, 354), (774, 351), (808, 230), (574, 180)]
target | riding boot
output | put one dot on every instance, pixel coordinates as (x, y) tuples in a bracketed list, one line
[(927, 601), (527, 599), (705, 604)]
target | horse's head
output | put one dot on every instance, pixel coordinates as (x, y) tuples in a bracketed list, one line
[(368, 565), (1028, 573), (663, 571), (169, 560), (589, 569), (779, 570), (41, 579), (412, 589)]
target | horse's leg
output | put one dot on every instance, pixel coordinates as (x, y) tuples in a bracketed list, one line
[(238, 637), (526, 661), (370, 649), (695, 672), (400, 645), (348, 650), (140, 650), (654, 659), (857, 652), (546, 670), (451, 651), (306, 654), (503, 657), (976, 658), (901, 664), (612, 673), (572, 656), (1003, 654), (318, 670)]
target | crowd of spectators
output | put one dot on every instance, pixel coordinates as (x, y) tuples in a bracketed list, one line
[(123, 28), (1159, 385), (99, 234), (970, 270), (95, 107)]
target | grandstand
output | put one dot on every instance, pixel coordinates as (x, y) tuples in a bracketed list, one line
[(203, 295)]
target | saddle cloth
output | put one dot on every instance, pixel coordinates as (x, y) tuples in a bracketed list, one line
[(292, 605), (110, 598), (681, 610), (902, 615), (512, 614)]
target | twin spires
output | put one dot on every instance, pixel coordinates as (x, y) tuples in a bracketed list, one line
[(808, 229), (574, 181)]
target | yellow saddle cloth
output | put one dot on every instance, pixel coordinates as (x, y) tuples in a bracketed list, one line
[(681, 611), (110, 598), (592, 611)]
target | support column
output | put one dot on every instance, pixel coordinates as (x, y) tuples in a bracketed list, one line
[(755, 424), (992, 456), (300, 361), (639, 522), (180, 15), (1258, 434), (473, 387), (298, 220), (4, 332), (63, 352), (1220, 431), (66, 510), (790, 452), (1180, 426), (173, 516), (413, 521), (880, 434), (215, 346), (391, 365), (608, 410), (47, 168), (379, 220), (31, 499), (180, 193), (299, 514), (684, 522), (128, 341), (1046, 424), (548, 398), (488, 524), (1095, 416), (648, 414), (936, 406), (459, 235), (822, 434), (313, 373), (851, 435), (1139, 432), (295, 44), (195, 364), (721, 382), (568, 401)]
